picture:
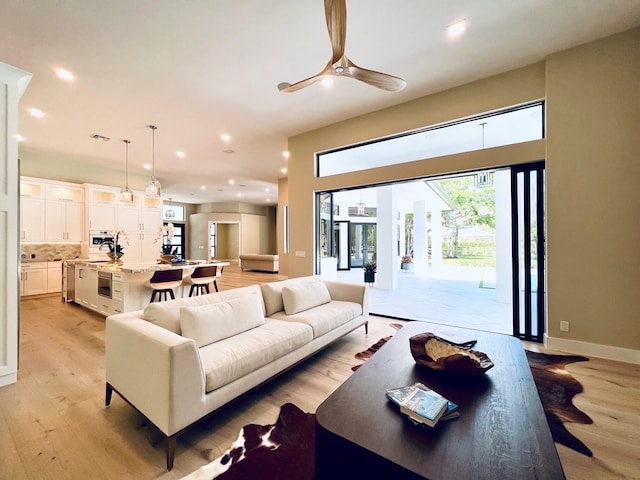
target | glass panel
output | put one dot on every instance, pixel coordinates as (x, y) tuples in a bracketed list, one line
[(484, 131), (213, 228), (533, 273), (521, 255)]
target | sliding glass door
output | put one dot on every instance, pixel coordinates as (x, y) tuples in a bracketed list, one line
[(528, 250)]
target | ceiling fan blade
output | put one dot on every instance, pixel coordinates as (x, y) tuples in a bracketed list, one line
[(336, 14), (377, 79), (288, 87)]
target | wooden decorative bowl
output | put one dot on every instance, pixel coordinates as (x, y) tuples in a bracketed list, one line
[(440, 354)]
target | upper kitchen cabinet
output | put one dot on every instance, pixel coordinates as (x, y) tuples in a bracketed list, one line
[(142, 215), (32, 194), (101, 207), (64, 213)]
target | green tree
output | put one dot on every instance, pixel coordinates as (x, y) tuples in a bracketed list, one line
[(473, 206)]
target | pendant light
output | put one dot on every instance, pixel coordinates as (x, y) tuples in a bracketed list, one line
[(169, 213), (152, 188), (126, 194)]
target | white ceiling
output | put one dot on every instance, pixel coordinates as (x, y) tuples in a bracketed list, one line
[(200, 68)]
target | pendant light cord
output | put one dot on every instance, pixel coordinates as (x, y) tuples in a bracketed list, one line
[(126, 181)]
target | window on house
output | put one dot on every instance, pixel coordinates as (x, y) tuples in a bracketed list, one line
[(492, 129)]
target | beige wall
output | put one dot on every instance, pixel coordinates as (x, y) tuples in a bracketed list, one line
[(592, 155), (593, 181)]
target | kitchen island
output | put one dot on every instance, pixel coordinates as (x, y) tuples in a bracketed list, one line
[(109, 288)]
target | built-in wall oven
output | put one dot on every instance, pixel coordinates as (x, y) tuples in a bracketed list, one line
[(105, 287), (97, 238)]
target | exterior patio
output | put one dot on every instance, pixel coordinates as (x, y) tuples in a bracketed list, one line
[(451, 295)]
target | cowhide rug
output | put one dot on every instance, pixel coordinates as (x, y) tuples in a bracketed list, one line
[(557, 388), (286, 449), (283, 451)]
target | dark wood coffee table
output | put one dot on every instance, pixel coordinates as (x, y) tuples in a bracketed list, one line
[(502, 431)]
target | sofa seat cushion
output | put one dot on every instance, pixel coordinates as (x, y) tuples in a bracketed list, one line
[(272, 292), (216, 321), (234, 357), (324, 318), (167, 314)]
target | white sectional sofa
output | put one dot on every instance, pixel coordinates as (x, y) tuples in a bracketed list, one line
[(180, 360)]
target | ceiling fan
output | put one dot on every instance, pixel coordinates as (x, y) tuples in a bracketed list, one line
[(340, 65)]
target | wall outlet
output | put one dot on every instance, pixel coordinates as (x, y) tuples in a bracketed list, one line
[(564, 326), (33, 255), (301, 253)]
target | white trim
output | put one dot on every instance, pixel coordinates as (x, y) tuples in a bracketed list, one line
[(609, 352)]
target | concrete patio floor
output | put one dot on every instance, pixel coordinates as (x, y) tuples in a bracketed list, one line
[(458, 296)]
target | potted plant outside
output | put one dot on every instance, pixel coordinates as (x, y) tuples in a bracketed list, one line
[(406, 262), (370, 272)]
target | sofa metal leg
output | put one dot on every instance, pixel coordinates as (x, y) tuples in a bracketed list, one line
[(108, 394), (171, 451), (366, 328)]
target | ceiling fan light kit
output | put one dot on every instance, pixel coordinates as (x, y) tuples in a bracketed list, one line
[(340, 65), (152, 188)]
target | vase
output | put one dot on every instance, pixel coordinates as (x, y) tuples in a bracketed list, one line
[(115, 256), (369, 277)]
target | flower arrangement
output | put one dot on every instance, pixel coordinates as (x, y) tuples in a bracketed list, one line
[(370, 267), (166, 232), (406, 259), (116, 246)]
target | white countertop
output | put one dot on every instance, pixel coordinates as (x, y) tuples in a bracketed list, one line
[(144, 267)]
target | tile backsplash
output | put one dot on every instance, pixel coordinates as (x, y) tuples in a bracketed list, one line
[(48, 252)]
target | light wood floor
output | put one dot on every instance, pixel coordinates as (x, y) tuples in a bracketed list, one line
[(53, 423)]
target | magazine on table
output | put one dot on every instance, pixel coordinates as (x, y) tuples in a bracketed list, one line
[(422, 404)]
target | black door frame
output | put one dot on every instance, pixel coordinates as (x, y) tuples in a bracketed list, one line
[(522, 328)]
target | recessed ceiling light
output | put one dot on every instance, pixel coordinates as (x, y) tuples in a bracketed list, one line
[(268, 200), (283, 170), (231, 181), (225, 137), (286, 154), (64, 74), (20, 138), (327, 81), (203, 187), (266, 189), (147, 166), (456, 29), (180, 154), (239, 194), (35, 112), (229, 151)]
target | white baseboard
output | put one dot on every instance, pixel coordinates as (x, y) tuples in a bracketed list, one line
[(576, 347)]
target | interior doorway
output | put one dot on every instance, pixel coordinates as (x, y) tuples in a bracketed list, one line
[(224, 240)]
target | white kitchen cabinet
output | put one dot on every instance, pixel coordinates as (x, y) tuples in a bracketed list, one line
[(142, 247), (31, 219), (54, 277), (132, 218), (101, 207), (87, 287), (64, 221), (33, 279)]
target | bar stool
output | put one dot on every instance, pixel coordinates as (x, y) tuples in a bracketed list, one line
[(163, 282), (200, 280)]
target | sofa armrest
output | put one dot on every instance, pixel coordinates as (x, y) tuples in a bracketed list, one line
[(350, 292), (156, 370)]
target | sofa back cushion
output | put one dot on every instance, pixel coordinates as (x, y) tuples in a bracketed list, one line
[(272, 292), (167, 314), (216, 321), (299, 298)]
